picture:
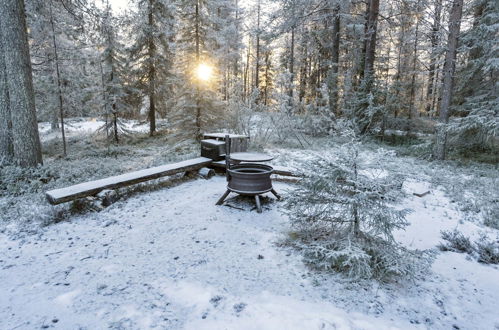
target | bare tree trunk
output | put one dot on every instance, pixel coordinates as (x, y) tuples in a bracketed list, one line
[(335, 57), (246, 71), (58, 78), (448, 82), (266, 78), (104, 98), (198, 105), (236, 61), (372, 26), (435, 29), (115, 124), (412, 93), (291, 69), (152, 71), (26, 141), (257, 59), (6, 147)]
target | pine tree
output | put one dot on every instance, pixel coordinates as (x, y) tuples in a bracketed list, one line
[(448, 81), (13, 32), (6, 147), (153, 55), (477, 90), (112, 73), (198, 107)]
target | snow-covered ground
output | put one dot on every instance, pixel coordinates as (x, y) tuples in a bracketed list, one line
[(84, 126), (171, 259)]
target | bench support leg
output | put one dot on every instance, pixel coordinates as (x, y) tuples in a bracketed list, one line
[(224, 196)]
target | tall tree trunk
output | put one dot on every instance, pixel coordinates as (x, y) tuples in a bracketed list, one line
[(104, 99), (152, 71), (26, 141), (448, 82), (291, 70), (266, 78), (257, 59), (58, 78), (198, 54), (335, 57), (236, 60), (246, 71), (372, 27), (6, 147), (435, 29), (115, 124), (412, 93)]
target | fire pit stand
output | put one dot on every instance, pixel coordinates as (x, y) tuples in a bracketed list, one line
[(248, 179)]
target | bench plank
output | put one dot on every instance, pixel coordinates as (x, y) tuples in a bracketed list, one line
[(90, 188)]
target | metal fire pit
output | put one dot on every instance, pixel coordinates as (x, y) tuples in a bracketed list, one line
[(251, 180)]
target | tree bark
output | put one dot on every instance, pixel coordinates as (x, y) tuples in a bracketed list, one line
[(433, 56), (198, 54), (257, 59), (448, 82), (291, 70), (412, 93), (6, 147), (372, 26), (152, 71), (335, 57), (26, 141), (58, 78)]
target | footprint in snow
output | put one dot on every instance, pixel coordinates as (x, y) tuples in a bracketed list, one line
[(238, 308)]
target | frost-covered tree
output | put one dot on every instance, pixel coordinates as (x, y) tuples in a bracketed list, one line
[(112, 67), (477, 88), (152, 54), (207, 47), (456, 13), (344, 218)]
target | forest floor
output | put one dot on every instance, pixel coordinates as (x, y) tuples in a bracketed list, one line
[(164, 256)]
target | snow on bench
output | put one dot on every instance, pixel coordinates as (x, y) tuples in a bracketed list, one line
[(90, 188)]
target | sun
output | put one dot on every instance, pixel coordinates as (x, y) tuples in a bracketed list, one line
[(204, 72)]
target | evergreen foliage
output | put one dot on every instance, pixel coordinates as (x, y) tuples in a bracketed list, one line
[(113, 74), (152, 55), (477, 93), (344, 219)]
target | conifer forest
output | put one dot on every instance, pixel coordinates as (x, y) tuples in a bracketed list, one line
[(249, 164)]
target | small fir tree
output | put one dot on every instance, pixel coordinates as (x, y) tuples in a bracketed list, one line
[(344, 219)]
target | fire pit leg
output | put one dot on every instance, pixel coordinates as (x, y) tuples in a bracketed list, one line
[(224, 196), (275, 194), (258, 206)]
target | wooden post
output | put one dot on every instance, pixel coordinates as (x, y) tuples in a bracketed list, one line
[(227, 156)]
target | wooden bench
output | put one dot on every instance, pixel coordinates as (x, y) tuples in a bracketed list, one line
[(91, 188)]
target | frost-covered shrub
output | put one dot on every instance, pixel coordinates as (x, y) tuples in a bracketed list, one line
[(491, 215), (343, 217), (487, 250), (456, 242)]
